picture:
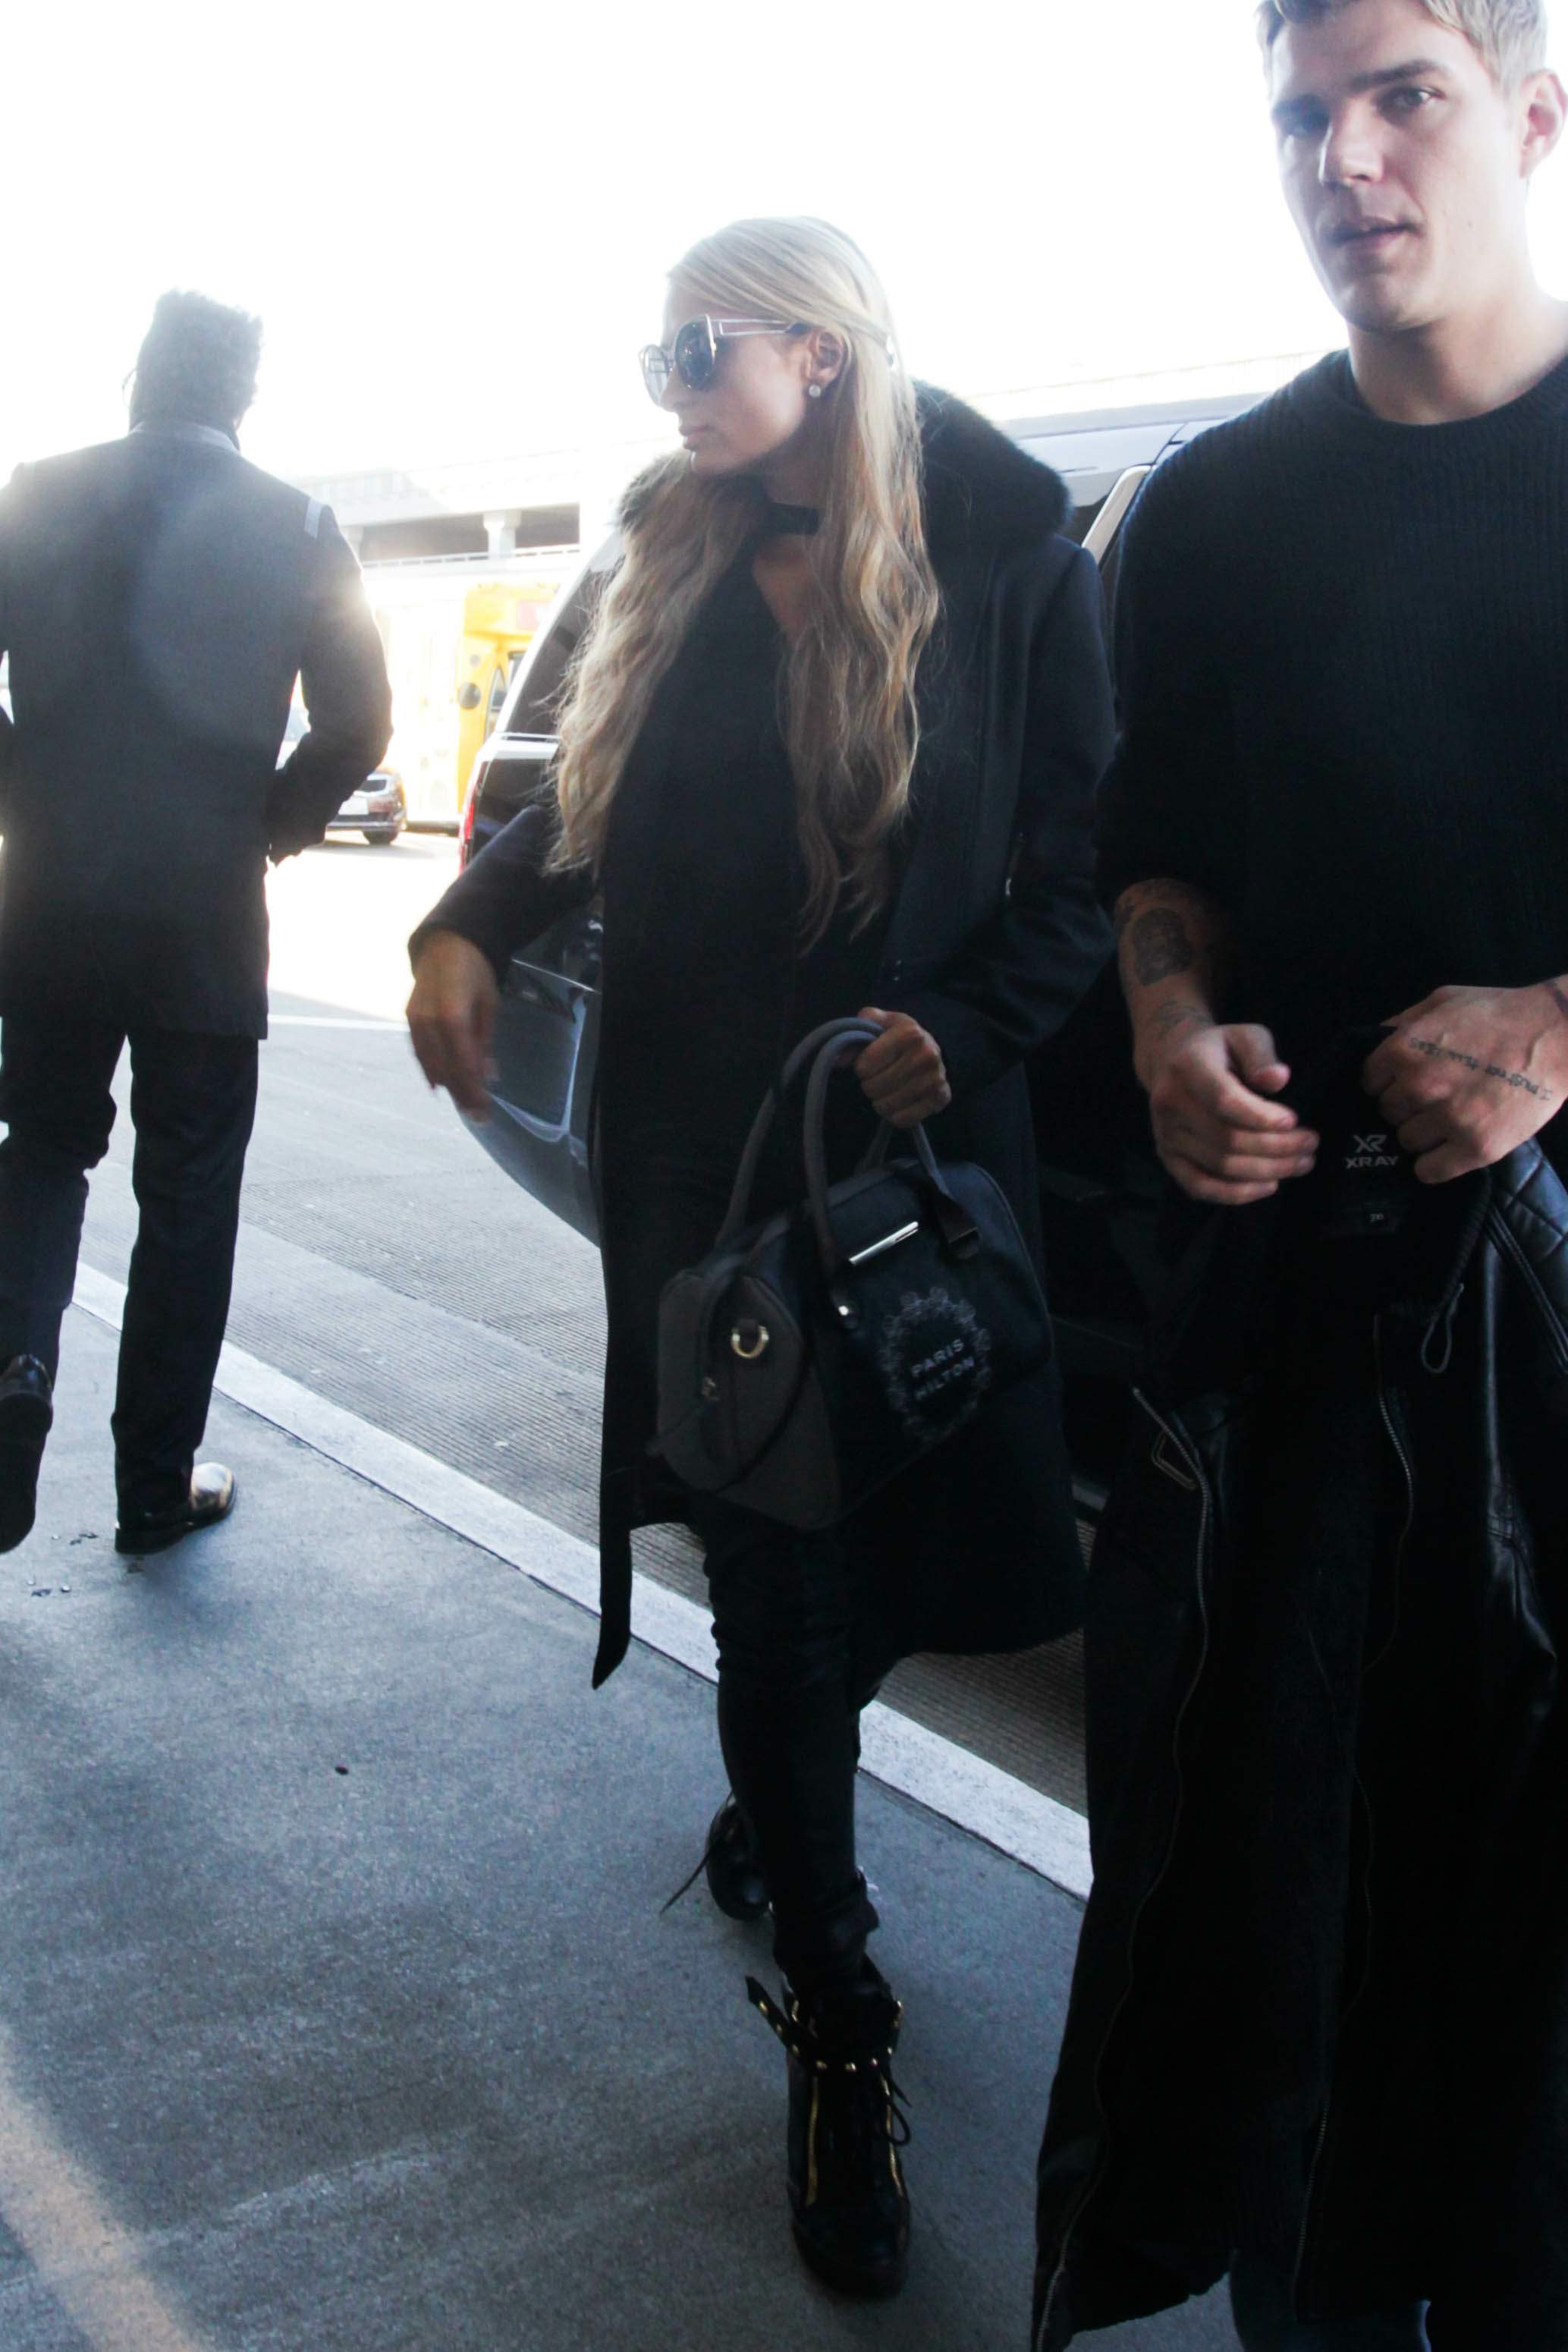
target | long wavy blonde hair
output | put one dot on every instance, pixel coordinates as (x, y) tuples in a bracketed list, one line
[(848, 687)]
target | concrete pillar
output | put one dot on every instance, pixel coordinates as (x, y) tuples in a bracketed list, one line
[(501, 530)]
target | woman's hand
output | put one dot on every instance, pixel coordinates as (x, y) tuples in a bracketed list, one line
[(452, 1017), (902, 1073)]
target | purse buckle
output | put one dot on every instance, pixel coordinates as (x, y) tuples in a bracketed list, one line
[(888, 1241)]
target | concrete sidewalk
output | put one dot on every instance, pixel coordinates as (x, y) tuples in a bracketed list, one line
[(336, 2011)]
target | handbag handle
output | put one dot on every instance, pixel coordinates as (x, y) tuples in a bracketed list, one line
[(957, 1228), (823, 1049), (834, 1033)]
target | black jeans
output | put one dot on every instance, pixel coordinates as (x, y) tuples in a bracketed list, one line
[(796, 1666), (192, 1103), (1260, 2301)]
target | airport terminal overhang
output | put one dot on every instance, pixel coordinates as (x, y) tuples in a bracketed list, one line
[(486, 506), (1091, 432)]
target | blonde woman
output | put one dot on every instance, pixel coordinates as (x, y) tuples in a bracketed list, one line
[(831, 748)]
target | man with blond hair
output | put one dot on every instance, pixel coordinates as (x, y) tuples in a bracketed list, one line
[(1320, 2018)]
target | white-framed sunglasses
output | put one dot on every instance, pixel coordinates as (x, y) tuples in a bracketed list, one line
[(693, 354)]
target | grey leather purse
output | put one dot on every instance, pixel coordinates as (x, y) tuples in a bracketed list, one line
[(811, 1358)]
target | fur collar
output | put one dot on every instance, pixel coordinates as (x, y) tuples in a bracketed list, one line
[(982, 492)]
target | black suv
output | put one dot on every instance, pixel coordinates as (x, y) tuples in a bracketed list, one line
[(1099, 1181)]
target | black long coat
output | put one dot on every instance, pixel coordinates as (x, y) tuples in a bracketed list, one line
[(995, 934), (158, 598)]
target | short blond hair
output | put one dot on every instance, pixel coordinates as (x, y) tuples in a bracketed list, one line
[(1510, 35)]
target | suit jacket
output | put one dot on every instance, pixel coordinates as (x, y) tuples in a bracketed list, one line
[(159, 596)]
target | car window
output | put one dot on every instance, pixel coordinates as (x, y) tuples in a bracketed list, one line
[(533, 704)]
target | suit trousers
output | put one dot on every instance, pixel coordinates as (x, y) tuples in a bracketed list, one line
[(193, 1105)]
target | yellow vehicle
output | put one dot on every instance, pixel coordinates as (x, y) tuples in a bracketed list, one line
[(455, 629)]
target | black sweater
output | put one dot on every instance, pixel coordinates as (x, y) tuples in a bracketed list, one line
[(1343, 662), (713, 984)]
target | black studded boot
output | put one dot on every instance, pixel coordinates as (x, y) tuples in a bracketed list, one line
[(848, 2204)]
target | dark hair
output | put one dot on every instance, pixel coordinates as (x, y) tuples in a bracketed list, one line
[(197, 364), (1509, 34)]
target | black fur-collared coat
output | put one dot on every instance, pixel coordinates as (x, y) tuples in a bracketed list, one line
[(995, 934)]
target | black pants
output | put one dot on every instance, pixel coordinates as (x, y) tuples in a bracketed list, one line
[(1260, 2301), (796, 1666), (192, 1103), (795, 1661)]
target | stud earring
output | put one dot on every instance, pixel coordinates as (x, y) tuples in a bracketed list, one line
[(813, 392)]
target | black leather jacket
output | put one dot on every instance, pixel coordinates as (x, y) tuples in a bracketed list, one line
[(1322, 1999)]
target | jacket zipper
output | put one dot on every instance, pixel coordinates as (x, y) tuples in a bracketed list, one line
[(1175, 1437), (1303, 2244), (1407, 1470), (1503, 1234)]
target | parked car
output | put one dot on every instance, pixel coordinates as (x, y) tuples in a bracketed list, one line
[(1100, 1184), (455, 629), (379, 809)]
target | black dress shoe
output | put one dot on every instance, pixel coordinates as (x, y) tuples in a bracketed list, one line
[(849, 2208), (26, 1410), (734, 1866), (212, 1497)]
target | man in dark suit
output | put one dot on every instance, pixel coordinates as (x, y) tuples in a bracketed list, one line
[(158, 597)]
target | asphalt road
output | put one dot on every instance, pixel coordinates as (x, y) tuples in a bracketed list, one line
[(385, 1262)]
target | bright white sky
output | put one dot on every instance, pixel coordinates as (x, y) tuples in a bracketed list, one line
[(457, 221)]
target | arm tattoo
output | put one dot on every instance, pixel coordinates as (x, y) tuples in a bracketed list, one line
[(1161, 946), (1515, 1079), (1172, 1017), (1141, 896)]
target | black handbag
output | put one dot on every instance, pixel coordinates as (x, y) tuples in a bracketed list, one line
[(810, 1358)]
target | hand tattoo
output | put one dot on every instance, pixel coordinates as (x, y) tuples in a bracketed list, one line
[(1558, 998), (1515, 1079), (1160, 945)]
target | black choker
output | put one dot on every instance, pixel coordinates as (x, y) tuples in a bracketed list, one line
[(780, 521)]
